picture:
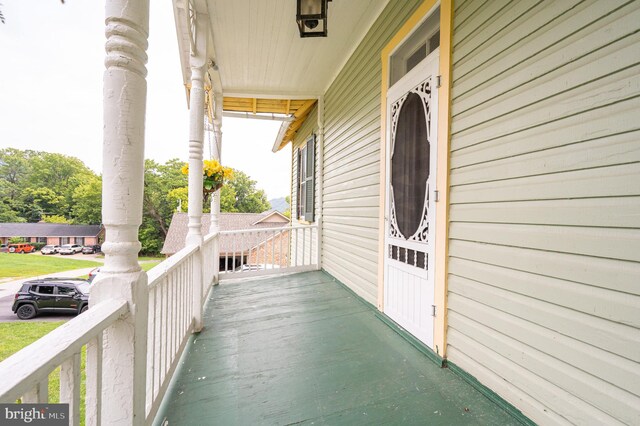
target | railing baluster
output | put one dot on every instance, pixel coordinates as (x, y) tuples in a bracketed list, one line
[(233, 264), (157, 344), (70, 387), (39, 394), (304, 245), (164, 334), (171, 307), (310, 246), (242, 259), (273, 250), (178, 301), (150, 336), (187, 304), (183, 303), (294, 247), (176, 323), (280, 254), (93, 394)]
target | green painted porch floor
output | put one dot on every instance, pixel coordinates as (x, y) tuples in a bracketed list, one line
[(302, 349)]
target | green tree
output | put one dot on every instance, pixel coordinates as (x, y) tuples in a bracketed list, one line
[(60, 173), (287, 212), (14, 170), (228, 199), (35, 183), (159, 181), (248, 199), (239, 195), (178, 199), (87, 202), (54, 219), (9, 215), (44, 200)]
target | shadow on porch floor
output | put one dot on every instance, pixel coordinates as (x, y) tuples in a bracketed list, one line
[(301, 349)]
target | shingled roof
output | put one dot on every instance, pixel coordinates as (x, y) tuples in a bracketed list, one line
[(48, 230), (175, 240)]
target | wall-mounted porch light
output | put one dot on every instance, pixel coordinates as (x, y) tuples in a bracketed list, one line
[(312, 18)]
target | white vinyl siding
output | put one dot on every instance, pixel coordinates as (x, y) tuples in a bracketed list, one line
[(351, 201), (544, 254)]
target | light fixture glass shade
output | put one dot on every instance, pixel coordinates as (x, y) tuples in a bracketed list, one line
[(310, 7), (311, 17)]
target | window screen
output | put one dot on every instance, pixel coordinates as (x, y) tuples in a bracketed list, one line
[(410, 165)]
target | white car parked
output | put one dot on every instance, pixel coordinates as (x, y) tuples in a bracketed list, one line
[(50, 249), (256, 267), (70, 249)]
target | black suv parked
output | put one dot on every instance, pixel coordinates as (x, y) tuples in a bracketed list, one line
[(63, 295)]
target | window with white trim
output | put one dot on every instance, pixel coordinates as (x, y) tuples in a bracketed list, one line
[(306, 179)]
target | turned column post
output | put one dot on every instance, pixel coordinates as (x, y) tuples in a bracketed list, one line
[(196, 138), (124, 99), (215, 200)]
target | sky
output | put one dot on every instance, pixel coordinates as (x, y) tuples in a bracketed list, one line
[(51, 67)]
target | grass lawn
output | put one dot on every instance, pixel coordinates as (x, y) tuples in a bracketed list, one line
[(24, 266), (158, 258), (148, 265)]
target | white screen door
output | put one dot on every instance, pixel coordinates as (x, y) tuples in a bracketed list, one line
[(410, 202)]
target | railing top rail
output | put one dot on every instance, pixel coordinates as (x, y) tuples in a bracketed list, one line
[(23, 370), (210, 237), (163, 268), (282, 228)]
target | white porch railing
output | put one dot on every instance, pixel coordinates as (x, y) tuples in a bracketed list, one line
[(171, 316), (267, 251), (170, 320), (25, 374), (209, 268)]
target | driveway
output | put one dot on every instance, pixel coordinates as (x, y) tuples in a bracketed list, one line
[(9, 289)]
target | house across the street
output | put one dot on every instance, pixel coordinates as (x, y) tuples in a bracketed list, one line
[(51, 233)]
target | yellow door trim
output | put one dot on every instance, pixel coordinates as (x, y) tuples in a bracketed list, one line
[(442, 206)]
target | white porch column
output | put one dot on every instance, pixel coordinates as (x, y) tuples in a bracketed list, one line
[(196, 142), (217, 155), (215, 200), (124, 99)]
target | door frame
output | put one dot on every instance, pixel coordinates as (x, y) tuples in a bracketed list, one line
[(426, 69), (442, 174)]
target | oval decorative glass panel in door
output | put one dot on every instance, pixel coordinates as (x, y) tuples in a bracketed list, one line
[(410, 169)]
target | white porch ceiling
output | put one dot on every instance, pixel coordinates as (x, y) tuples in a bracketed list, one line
[(260, 53)]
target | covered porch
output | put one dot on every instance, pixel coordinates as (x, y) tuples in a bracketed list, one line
[(522, 270), (302, 349)]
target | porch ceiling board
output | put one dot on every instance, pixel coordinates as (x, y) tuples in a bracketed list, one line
[(259, 51), (299, 109), (260, 105)]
